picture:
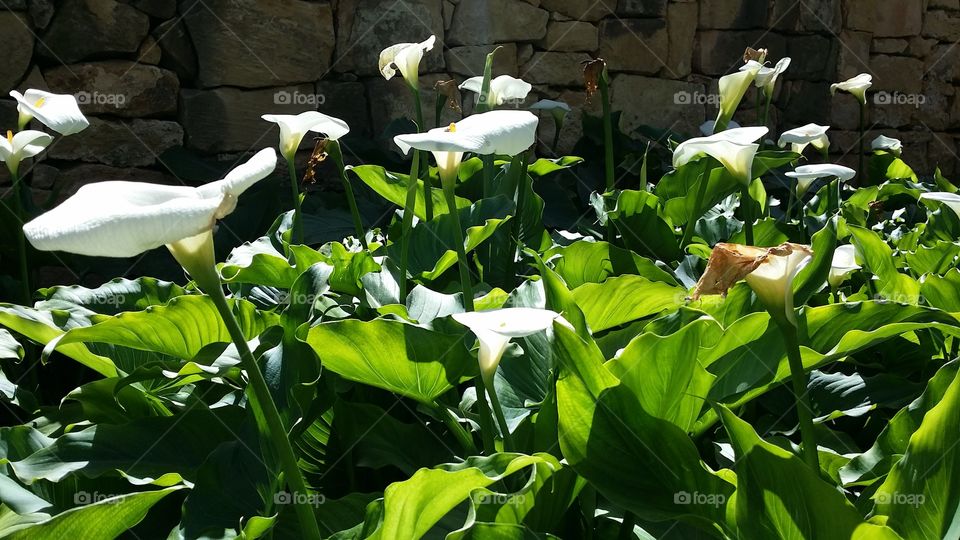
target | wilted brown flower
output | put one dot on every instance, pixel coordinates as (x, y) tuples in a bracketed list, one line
[(729, 263), (449, 90), (592, 71), (758, 55), (316, 158)]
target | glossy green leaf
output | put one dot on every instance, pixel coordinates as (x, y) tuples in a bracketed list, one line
[(626, 298), (593, 262), (393, 187)]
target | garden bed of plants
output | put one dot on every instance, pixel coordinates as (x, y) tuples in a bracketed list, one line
[(721, 336)]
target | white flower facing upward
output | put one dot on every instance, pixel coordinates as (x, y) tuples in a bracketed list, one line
[(495, 328), (503, 89), (952, 200), (807, 174), (733, 148), (405, 58), (857, 86), (810, 134), (293, 128), (124, 219), (844, 263), (732, 88), (889, 144), (58, 112), (494, 132), (26, 144)]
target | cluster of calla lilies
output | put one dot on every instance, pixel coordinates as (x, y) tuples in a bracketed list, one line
[(123, 219)]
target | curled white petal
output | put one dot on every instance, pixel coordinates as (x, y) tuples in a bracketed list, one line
[(882, 142), (493, 132), (495, 328), (807, 174), (550, 105), (293, 127), (952, 200), (772, 281), (857, 86), (810, 134), (59, 112), (844, 263), (734, 148), (502, 89), (404, 57)]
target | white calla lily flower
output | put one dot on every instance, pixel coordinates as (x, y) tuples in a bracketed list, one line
[(732, 88), (26, 144), (807, 174), (405, 58), (495, 328), (882, 142), (503, 89), (844, 263), (810, 134), (770, 272), (857, 86), (124, 219), (952, 200), (551, 106), (58, 112), (493, 132), (294, 127), (734, 148), (767, 77)]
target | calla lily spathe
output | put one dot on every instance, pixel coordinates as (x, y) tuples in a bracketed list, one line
[(124, 219), (294, 127), (844, 263), (889, 144), (807, 174), (810, 134), (770, 272), (58, 112), (495, 328), (952, 200), (857, 86), (493, 132), (502, 89), (767, 77), (557, 109), (26, 144), (732, 88), (405, 58), (734, 148)]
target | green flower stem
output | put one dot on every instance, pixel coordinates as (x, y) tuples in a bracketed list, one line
[(804, 414), (860, 139), (607, 132), (19, 217), (626, 528), (488, 188), (448, 191), (747, 202), (557, 126), (296, 232), (407, 223), (438, 108), (791, 201), (766, 115), (464, 438), (486, 418), (698, 201), (427, 198), (501, 419), (517, 221), (333, 149), (264, 407)]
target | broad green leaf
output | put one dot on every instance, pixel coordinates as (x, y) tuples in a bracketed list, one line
[(106, 519), (921, 494), (935, 259), (779, 496), (393, 187), (179, 328), (117, 295), (609, 439), (879, 259), (637, 217), (942, 292), (544, 166), (593, 262), (626, 298), (408, 360)]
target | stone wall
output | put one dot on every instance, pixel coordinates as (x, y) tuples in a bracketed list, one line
[(154, 75)]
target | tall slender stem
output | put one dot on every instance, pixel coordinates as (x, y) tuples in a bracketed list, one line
[(518, 215), (296, 232), (486, 419), (407, 223), (860, 170), (333, 149), (263, 405), (501, 419), (448, 191), (19, 218), (464, 438), (804, 414), (607, 133), (487, 175), (747, 202), (428, 198)]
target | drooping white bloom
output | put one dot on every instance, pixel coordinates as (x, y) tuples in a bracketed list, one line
[(732, 88), (810, 134), (844, 263), (734, 148), (493, 132), (294, 127), (857, 86), (26, 144), (405, 57), (124, 219), (495, 328), (767, 76), (806, 174), (58, 112), (952, 200), (502, 89), (882, 142)]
